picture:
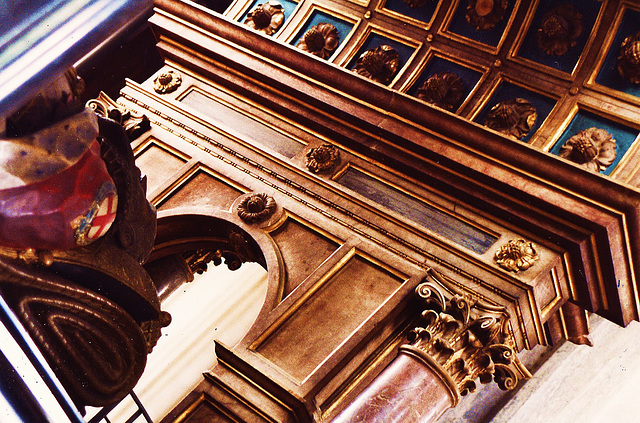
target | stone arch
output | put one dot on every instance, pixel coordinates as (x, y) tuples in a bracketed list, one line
[(226, 238)]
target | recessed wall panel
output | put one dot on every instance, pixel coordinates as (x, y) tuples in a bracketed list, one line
[(328, 317)]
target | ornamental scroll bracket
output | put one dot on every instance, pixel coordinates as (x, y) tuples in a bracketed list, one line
[(467, 338)]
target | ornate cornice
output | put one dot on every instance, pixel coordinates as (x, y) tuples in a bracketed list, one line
[(467, 338)]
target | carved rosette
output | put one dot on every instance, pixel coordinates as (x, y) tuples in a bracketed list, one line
[(560, 29), (321, 40), (256, 207), (323, 158), (516, 255), (629, 59), (134, 124), (379, 64), (486, 14), (469, 339), (594, 149), (266, 17), (167, 82), (444, 89), (514, 117)]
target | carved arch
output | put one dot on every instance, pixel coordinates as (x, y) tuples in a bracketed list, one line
[(187, 229)]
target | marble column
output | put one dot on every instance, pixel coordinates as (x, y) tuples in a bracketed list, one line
[(459, 340), (411, 389)]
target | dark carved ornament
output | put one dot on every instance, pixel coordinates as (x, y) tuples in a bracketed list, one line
[(321, 40), (629, 59), (514, 117), (469, 339), (444, 89), (94, 346), (323, 158), (167, 82), (486, 14), (560, 29), (594, 149), (266, 17), (134, 124), (379, 64), (235, 251), (256, 207), (516, 255)]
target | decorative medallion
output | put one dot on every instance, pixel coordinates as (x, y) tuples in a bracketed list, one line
[(266, 17), (323, 158), (320, 40), (594, 149), (256, 207), (514, 117), (469, 339), (379, 64), (560, 29), (444, 89), (486, 14), (167, 82), (516, 255), (97, 221), (629, 59)]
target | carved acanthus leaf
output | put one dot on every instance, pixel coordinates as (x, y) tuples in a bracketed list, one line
[(469, 339)]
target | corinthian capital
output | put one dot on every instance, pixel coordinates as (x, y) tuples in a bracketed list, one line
[(466, 337)]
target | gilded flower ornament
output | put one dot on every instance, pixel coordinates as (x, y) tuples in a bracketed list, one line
[(167, 82), (514, 117), (629, 59), (321, 40), (594, 149), (516, 255), (444, 89), (560, 29), (266, 17), (323, 158), (486, 14), (379, 64), (256, 207)]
